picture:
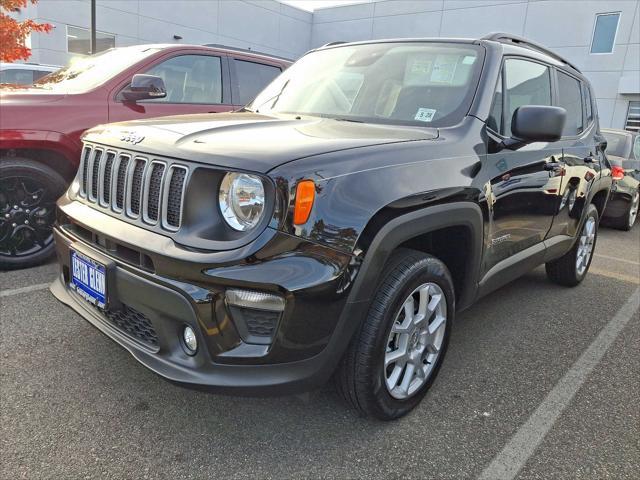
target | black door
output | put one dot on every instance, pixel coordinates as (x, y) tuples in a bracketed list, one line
[(582, 153), (522, 186)]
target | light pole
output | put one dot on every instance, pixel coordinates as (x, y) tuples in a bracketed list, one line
[(94, 47)]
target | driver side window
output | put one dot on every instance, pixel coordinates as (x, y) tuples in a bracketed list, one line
[(526, 83), (190, 79)]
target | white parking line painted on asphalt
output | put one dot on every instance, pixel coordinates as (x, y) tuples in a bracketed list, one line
[(30, 288), (507, 464), (616, 276), (616, 259)]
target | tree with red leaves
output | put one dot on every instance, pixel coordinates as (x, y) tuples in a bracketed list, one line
[(13, 34)]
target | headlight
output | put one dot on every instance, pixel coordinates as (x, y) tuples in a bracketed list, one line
[(241, 200)]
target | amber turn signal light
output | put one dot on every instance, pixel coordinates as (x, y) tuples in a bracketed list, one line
[(305, 194)]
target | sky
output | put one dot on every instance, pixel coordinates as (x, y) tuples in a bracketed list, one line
[(311, 5)]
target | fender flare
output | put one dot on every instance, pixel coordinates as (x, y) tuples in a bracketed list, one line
[(415, 223), (43, 140)]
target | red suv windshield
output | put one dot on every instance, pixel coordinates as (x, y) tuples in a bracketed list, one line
[(86, 73)]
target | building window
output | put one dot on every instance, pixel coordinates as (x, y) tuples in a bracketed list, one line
[(604, 32), (633, 117), (79, 40)]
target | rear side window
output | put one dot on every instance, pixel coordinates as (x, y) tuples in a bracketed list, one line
[(527, 83), (190, 79), (570, 99), (38, 74), (16, 76), (252, 78), (588, 108)]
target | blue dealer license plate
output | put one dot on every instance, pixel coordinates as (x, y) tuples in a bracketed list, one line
[(89, 279)]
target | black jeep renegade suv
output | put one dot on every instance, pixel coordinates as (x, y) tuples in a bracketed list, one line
[(338, 222)]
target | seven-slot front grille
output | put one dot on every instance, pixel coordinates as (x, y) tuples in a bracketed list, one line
[(134, 186)]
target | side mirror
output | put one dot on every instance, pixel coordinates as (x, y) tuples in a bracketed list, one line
[(144, 87), (536, 123)]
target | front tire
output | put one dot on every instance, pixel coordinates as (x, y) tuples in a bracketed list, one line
[(395, 355), (28, 194), (570, 269)]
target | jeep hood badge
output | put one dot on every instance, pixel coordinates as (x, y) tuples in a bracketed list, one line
[(131, 137)]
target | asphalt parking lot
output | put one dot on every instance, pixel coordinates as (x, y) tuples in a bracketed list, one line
[(540, 382)]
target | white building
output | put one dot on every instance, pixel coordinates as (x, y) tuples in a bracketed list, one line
[(601, 37)]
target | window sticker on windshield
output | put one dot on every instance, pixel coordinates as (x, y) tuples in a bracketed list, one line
[(425, 114), (468, 60), (444, 68), (417, 71)]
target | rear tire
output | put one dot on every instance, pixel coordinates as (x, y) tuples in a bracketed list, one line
[(409, 319), (627, 221), (28, 193), (570, 269)]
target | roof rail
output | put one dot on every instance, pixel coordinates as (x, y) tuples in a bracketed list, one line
[(331, 44), (245, 50), (523, 42)]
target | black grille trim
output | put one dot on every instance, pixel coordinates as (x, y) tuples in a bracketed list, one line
[(135, 324), (135, 187), (106, 184), (95, 174), (153, 191), (121, 182), (132, 323), (174, 197), (85, 169)]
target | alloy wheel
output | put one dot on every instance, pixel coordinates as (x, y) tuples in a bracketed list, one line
[(27, 214), (585, 247), (633, 209), (415, 341)]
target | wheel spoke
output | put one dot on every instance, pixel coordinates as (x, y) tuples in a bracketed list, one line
[(409, 307), (396, 356), (392, 380), (437, 323), (433, 304), (432, 348), (423, 306), (407, 378)]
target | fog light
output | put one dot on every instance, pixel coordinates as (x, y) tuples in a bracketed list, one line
[(255, 314), (259, 300), (190, 341)]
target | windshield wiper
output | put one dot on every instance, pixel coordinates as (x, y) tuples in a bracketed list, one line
[(275, 98), (347, 120)]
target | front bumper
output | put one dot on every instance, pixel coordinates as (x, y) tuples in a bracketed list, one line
[(312, 333)]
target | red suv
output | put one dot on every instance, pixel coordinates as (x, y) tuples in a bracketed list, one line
[(40, 126)]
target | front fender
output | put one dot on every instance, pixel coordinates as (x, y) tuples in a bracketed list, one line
[(415, 223), (57, 142)]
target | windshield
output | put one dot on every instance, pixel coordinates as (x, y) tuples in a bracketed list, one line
[(428, 84), (85, 73), (618, 144)]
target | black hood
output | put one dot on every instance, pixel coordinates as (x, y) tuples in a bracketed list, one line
[(249, 141)]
